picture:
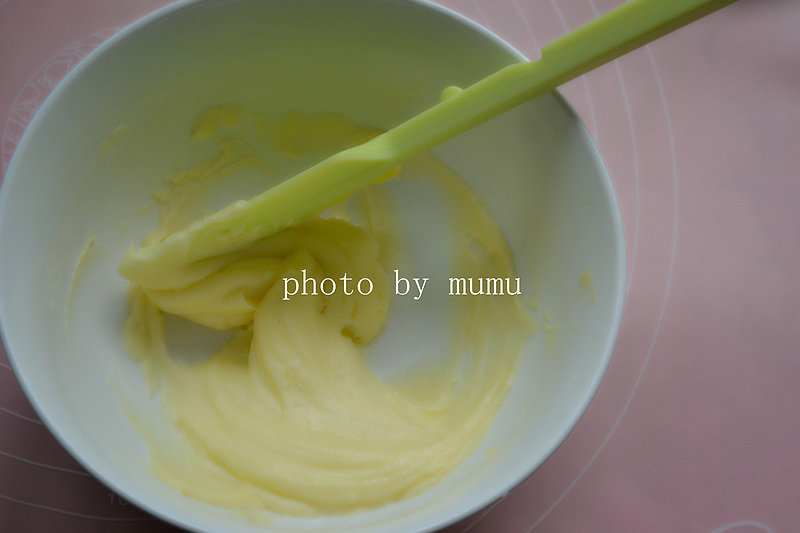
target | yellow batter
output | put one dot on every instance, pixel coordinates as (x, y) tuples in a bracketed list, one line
[(287, 416)]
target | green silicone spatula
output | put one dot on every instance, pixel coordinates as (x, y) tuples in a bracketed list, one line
[(611, 35)]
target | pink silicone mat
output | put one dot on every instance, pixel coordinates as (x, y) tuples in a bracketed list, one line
[(696, 426)]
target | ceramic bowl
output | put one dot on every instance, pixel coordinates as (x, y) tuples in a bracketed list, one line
[(376, 62)]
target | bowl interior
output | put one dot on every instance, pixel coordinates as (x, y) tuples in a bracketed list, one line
[(374, 62)]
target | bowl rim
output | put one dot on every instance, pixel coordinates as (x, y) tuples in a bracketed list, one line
[(148, 504)]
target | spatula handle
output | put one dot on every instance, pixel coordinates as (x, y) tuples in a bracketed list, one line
[(629, 26)]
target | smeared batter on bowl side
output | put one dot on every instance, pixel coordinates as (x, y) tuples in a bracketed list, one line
[(287, 416)]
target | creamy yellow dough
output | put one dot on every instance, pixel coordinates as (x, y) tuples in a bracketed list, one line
[(287, 416)]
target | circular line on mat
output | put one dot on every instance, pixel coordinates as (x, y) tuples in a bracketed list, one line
[(635, 247), (44, 465), (592, 114), (586, 90), (484, 20), (663, 306), (483, 514), (79, 515), (636, 172), (596, 137), (527, 26), (21, 416)]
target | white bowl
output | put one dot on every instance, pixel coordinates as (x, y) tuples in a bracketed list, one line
[(375, 62)]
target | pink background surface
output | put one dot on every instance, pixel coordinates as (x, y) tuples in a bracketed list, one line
[(695, 427)]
